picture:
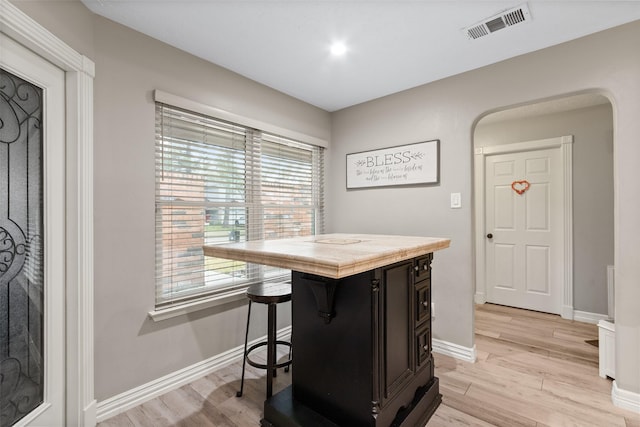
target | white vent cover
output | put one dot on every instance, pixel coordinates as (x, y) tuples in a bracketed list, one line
[(508, 18)]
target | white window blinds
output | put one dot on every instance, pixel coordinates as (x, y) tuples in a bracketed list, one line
[(218, 182)]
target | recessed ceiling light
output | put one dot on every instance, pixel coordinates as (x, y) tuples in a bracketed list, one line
[(338, 49)]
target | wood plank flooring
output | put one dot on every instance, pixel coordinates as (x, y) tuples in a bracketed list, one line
[(533, 369)]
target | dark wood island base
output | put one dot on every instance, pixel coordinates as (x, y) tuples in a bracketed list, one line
[(362, 350)]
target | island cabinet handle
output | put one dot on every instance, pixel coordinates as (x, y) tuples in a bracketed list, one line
[(426, 347), (416, 268), (425, 267), (425, 303)]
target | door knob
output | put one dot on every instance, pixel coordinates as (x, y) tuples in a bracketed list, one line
[(489, 236)]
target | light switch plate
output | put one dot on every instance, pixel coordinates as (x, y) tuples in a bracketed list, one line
[(456, 201)]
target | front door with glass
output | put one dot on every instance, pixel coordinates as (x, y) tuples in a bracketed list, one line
[(31, 238)]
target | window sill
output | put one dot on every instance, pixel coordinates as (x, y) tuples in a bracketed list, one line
[(190, 307)]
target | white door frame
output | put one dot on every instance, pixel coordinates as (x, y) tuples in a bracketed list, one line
[(79, 73), (565, 143)]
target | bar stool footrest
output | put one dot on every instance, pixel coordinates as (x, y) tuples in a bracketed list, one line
[(284, 364)]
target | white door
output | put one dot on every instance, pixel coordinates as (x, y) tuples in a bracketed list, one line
[(524, 229), (32, 224)]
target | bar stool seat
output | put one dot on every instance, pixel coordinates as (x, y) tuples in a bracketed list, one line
[(271, 294)]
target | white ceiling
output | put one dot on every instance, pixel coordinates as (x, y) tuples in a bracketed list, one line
[(392, 45)]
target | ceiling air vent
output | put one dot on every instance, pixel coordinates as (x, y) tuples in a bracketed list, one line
[(505, 19)]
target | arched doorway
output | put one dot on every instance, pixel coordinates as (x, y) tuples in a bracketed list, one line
[(588, 118)]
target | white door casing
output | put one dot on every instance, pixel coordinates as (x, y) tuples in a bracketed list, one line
[(23, 63), (506, 270), (79, 72)]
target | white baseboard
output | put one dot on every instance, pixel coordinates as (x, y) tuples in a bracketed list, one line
[(134, 397), (480, 298), (567, 312), (454, 350), (586, 317), (625, 399)]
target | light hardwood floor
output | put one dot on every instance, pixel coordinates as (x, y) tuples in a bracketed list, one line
[(533, 369)]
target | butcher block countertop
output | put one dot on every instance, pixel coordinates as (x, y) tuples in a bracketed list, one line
[(330, 255)]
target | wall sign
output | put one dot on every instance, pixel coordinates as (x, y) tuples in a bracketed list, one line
[(411, 164)]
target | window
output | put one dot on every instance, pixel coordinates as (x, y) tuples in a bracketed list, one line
[(219, 182)]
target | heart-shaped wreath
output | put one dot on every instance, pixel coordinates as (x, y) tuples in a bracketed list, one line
[(520, 186)]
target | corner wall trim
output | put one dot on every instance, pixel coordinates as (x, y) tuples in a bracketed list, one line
[(625, 399), (136, 396), (466, 354)]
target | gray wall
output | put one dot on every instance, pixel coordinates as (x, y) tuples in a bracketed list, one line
[(607, 62), (130, 348), (69, 20), (592, 129), (131, 351)]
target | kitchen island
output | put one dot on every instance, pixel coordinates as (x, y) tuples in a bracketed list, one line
[(361, 328)]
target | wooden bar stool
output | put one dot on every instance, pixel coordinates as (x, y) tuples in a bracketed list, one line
[(270, 294)]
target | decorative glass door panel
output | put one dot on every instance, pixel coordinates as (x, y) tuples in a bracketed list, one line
[(21, 248)]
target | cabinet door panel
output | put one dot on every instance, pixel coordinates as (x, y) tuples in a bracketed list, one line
[(398, 330)]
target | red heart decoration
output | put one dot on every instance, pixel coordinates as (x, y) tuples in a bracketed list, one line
[(520, 186)]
